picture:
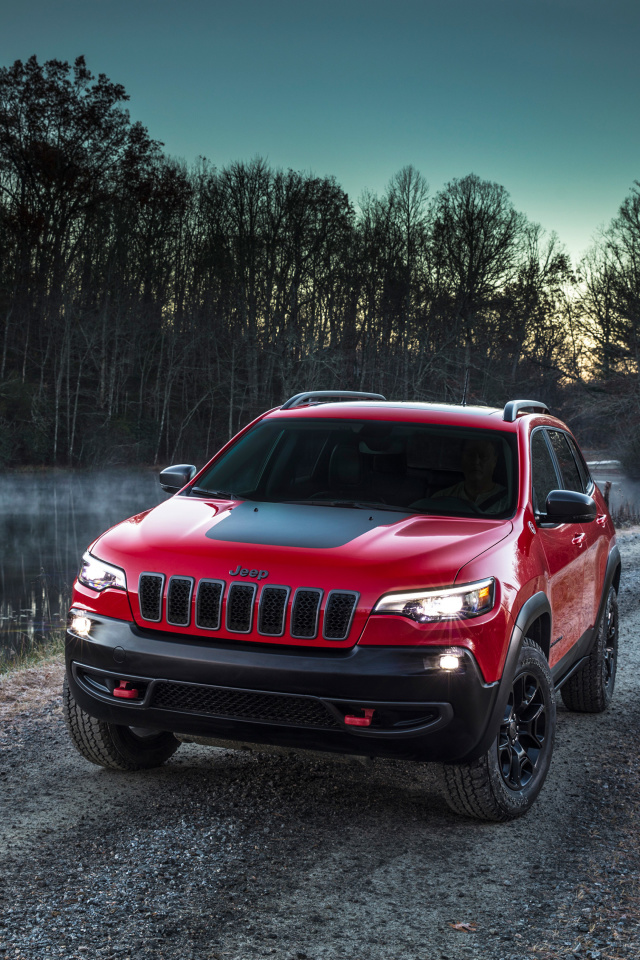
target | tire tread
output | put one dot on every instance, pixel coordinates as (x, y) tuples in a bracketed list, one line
[(468, 790), (97, 741)]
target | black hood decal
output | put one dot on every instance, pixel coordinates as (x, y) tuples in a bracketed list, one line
[(299, 525)]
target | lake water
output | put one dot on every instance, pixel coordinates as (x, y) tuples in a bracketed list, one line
[(47, 519)]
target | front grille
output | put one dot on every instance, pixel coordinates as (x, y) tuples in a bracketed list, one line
[(242, 704), (304, 614), (240, 607), (339, 608), (179, 601), (150, 588), (273, 607), (338, 614), (208, 604)]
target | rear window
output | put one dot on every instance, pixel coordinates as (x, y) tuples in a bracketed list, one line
[(413, 468)]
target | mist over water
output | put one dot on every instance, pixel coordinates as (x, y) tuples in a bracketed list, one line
[(47, 520)]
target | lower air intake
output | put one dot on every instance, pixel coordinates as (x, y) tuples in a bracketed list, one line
[(242, 705), (338, 614), (150, 588)]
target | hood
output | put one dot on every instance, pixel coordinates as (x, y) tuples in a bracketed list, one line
[(328, 547)]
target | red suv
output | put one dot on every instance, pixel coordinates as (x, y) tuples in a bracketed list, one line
[(348, 574)]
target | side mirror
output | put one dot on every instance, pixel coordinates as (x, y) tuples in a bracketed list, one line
[(569, 506), (174, 478)]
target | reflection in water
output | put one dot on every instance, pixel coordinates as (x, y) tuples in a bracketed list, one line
[(47, 520)]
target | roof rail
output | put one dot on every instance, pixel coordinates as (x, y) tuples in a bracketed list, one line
[(514, 407), (321, 396)]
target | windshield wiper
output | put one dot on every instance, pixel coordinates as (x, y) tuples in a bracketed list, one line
[(217, 494), (355, 504)]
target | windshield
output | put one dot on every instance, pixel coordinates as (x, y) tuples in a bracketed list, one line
[(409, 467)]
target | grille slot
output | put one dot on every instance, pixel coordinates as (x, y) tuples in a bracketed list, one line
[(304, 613), (272, 610), (242, 704), (150, 587), (209, 604), (179, 601), (338, 614), (240, 607)]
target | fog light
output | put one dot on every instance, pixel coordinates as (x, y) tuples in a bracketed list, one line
[(81, 626), (449, 661)]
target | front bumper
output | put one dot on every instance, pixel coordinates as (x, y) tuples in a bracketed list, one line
[(290, 697)]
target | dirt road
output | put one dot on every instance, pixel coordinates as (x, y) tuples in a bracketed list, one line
[(226, 855)]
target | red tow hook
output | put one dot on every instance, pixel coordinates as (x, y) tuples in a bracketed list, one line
[(365, 721), (125, 691)]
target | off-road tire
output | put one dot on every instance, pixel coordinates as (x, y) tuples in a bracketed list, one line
[(590, 689), (501, 785), (113, 746)]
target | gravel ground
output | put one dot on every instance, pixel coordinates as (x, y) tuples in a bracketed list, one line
[(222, 854)]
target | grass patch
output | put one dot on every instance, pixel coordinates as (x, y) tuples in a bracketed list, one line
[(33, 654)]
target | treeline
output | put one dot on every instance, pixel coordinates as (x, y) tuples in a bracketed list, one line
[(148, 309)]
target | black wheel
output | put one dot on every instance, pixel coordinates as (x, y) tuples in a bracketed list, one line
[(503, 783), (590, 689), (113, 746)]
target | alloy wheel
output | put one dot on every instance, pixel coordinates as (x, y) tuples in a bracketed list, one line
[(522, 732)]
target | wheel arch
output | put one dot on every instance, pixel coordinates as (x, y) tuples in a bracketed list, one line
[(618, 570), (611, 579), (534, 621), (539, 630)]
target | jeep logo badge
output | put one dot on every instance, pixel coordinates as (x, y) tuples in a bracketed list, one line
[(244, 572)]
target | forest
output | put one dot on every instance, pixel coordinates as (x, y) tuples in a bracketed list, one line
[(148, 309)]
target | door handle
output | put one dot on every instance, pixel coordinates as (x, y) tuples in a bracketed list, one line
[(579, 539), (601, 519)]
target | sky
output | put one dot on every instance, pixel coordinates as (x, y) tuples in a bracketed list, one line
[(540, 96)]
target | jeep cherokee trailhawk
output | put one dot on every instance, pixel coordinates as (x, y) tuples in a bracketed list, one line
[(347, 574)]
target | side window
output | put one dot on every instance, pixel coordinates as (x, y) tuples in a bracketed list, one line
[(582, 466), (566, 461), (543, 471)]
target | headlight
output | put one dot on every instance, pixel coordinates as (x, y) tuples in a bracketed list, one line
[(99, 575), (453, 603)]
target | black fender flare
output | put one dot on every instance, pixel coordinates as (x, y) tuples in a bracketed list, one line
[(614, 564), (531, 610)]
